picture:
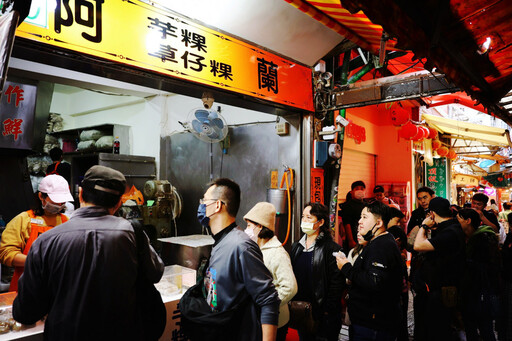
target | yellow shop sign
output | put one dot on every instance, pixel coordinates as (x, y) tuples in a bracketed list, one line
[(135, 33)]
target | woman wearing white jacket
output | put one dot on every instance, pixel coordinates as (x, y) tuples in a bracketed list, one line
[(260, 228)]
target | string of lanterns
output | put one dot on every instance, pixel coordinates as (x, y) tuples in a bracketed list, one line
[(417, 132)]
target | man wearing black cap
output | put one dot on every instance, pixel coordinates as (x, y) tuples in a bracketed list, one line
[(378, 192), (83, 273), (438, 278)]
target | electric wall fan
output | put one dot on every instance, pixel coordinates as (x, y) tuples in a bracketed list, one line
[(207, 125)]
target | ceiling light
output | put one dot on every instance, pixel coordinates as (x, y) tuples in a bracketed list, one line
[(485, 46)]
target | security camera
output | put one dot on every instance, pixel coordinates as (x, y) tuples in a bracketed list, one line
[(207, 99)]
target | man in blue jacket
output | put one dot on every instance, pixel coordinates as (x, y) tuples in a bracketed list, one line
[(236, 274)]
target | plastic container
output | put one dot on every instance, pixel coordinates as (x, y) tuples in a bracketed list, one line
[(176, 280)]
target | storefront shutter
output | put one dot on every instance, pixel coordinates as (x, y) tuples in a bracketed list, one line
[(356, 165)]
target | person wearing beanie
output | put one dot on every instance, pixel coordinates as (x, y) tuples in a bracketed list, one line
[(437, 281), (26, 227), (261, 229)]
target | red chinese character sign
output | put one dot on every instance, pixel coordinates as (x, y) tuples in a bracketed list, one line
[(317, 185), (436, 177), (17, 112), (144, 36)]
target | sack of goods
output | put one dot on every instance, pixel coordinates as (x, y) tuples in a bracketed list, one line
[(94, 139)]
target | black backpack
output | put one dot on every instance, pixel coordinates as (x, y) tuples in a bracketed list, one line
[(151, 312), (198, 322)]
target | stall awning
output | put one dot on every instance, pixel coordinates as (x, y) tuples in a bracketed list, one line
[(469, 131)]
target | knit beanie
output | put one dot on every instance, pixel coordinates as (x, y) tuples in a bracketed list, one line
[(264, 214)]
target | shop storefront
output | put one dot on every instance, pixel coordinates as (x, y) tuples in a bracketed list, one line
[(142, 76)]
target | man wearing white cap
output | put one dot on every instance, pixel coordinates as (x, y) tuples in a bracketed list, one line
[(24, 229)]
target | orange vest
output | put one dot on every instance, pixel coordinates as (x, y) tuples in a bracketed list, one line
[(36, 228)]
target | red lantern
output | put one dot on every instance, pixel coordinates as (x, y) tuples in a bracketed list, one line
[(419, 135), (432, 133), (426, 132), (452, 155), (442, 151), (436, 144), (399, 117), (408, 130)]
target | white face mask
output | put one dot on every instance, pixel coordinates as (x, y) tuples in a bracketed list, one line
[(250, 232), (308, 228), (359, 195)]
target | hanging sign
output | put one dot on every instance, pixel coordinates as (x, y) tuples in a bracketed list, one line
[(17, 112), (317, 185), (138, 34), (499, 180), (464, 179), (436, 177)]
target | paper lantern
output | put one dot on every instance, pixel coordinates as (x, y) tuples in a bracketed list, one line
[(426, 132), (399, 117), (436, 144), (408, 130), (421, 135), (452, 155), (432, 133), (443, 151)]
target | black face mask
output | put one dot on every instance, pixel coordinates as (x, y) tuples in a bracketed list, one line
[(369, 235)]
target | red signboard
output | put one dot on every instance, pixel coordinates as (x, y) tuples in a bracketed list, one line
[(317, 185)]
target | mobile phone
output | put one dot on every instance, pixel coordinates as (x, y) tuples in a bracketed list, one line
[(339, 253)]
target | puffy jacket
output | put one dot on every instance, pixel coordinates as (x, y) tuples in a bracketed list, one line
[(327, 279)]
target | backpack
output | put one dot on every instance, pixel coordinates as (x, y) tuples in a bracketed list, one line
[(151, 312)]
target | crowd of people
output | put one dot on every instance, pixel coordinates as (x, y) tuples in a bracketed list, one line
[(251, 288)]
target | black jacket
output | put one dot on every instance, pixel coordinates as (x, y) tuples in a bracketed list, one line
[(328, 281), (445, 265), (376, 283), (417, 217), (82, 274)]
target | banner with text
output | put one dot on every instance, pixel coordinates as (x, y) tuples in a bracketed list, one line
[(436, 177), (138, 34)]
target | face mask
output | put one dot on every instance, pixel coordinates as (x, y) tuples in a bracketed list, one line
[(369, 235), (359, 195), (203, 219), (308, 228), (52, 209), (250, 232)]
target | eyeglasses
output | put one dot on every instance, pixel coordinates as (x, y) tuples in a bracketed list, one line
[(203, 201)]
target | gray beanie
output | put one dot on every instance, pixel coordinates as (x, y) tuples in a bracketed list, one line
[(264, 214)]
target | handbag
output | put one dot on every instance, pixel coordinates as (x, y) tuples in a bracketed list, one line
[(301, 317), (151, 312)]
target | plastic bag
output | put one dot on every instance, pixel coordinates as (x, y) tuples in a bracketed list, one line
[(105, 142), (86, 145), (92, 134), (133, 194)]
